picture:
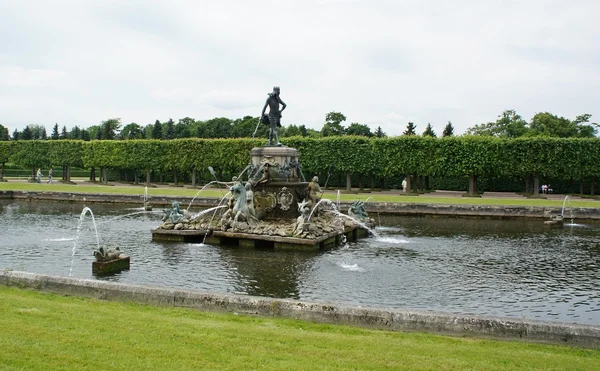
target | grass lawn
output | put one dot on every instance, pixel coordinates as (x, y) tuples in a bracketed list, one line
[(212, 192), (41, 331)]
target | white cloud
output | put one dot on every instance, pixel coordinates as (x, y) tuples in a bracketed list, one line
[(382, 63)]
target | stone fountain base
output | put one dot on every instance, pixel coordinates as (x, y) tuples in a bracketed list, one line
[(102, 267), (222, 238), (556, 221)]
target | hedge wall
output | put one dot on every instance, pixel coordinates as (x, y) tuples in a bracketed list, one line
[(447, 163)]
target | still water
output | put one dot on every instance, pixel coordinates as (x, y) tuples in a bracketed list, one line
[(468, 266)]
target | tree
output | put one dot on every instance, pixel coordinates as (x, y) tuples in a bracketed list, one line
[(410, 129), (132, 131), (379, 133), (169, 130), (75, 133), (219, 127), (292, 130), (429, 131), (26, 134), (38, 132), (448, 130), (111, 128), (4, 133), (16, 135), (63, 133), (97, 132), (54, 135), (333, 124), (359, 129), (157, 130), (585, 131), (508, 125), (184, 127), (303, 130), (85, 135)]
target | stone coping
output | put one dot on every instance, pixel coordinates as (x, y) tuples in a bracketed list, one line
[(378, 318), (385, 208)]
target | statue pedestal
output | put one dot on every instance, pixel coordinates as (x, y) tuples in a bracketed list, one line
[(122, 262), (278, 197)]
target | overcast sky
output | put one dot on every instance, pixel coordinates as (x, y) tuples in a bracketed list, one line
[(380, 63)]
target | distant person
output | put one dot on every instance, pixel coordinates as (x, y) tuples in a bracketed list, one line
[(404, 185), (39, 175), (49, 176)]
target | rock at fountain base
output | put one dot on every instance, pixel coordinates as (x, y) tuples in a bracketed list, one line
[(554, 223), (249, 240), (122, 262)]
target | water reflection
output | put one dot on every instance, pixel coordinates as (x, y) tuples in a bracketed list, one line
[(265, 273), (470, 266)]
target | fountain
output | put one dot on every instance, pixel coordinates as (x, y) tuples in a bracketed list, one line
[(558, 221), (107, 259), (147, 206), (274, 207)]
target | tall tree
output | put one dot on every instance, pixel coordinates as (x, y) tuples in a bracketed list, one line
[(38, 132), (429, 131), (4, 133), (303, 130), (111, 128), (131, 131), (64, 134), (16, 135), (97, 133), (85, 135), (292, 130), (359, 129), (509, 125), (379, 133), (218, 127), (333, 124), (157, 130), (54, 135), (26, 134), (410, 129), (547, 124), (448, 130), (75, 133), (169, 130), (184, 127)]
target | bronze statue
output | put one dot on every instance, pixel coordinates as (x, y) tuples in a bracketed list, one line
[(312, 190), (274, 118)]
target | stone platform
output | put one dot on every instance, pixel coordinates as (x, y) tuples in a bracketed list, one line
[(102, 267), (260, 241)]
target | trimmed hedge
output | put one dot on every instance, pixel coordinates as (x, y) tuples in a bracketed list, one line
[(497, 164)]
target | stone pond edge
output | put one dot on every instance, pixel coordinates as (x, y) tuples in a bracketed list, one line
[(384, 208), (376, 318)]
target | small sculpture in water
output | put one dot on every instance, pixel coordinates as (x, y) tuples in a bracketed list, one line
[(274, 117), (105, 255), (174, 215), (266, 174), (357, 210), (302, 221), (250, 199), (238, 213), (312, 190)]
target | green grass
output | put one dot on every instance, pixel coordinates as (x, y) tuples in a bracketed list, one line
[(212, 192), (40, 331)]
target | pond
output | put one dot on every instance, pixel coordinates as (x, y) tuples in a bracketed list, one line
[(508, 268)]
